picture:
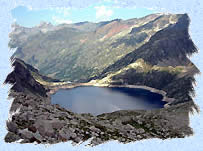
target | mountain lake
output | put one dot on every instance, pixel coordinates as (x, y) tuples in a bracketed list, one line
[(98, 100)]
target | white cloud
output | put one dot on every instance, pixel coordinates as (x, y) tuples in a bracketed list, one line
[(150, 8), (65, 11), (29, 8), (116, 6), (61, 15), (116, 2), (103, 13), (59, 20)]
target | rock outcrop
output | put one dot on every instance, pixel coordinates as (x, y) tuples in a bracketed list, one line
[(76, 52), (151, 51), (34, 119), (22, 79)]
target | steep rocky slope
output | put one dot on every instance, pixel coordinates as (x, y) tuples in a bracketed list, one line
[(34, 119), (177, 81), (160, 63), (76, 52), (167, 47), (151, 51), (22, 79)]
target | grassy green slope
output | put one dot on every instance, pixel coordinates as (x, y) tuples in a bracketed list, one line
[(79, 51)]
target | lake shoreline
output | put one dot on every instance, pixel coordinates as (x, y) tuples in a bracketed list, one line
[(48, 123), (54, 89)]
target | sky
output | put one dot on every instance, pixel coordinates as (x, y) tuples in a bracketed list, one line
[(100, 11)]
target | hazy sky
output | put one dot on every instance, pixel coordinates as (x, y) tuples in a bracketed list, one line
[(106, 10)]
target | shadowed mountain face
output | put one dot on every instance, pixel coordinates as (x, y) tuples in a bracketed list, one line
[(149, 52), (34, 119), (77, 52), (168, 47), (22, 79)]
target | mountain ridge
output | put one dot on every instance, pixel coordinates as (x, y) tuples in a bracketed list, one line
[(166, 39), (149, 52), (86, 50)]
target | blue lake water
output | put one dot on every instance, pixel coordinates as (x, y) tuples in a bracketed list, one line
[(98, 100)]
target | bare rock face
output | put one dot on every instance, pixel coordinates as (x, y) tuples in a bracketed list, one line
[(22, 79), (12, 137), (48, 126), (35, 119), (12, 127), (25, 134), (45, 128), (68, 51)]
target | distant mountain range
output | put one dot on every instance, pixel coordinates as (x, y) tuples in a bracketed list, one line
[(149, 52), (85, 50)]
